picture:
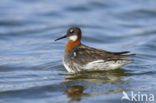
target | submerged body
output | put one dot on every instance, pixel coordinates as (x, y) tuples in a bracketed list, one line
[(78, 57)]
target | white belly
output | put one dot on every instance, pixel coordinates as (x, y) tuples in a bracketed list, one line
[(95, 65), (102, 65), (66, 65)]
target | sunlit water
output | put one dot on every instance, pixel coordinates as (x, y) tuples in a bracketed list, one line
[(31, 67)]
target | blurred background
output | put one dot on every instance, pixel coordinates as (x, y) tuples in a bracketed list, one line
[(31, 67)]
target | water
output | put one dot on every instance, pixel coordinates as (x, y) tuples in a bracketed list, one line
[(31, 67)]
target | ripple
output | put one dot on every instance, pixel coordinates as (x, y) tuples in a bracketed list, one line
[(77, 8), (31, 66)]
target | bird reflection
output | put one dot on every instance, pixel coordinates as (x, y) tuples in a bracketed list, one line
[(112, 76), (76, 84), (75, 92)]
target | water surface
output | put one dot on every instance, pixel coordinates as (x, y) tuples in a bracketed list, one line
[(31, 67)]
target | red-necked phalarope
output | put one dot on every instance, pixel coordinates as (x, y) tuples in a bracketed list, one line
[(79, 57)]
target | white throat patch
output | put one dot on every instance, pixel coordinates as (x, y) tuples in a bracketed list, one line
[(73, 37)]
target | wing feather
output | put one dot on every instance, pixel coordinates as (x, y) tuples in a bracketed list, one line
[(85, 54)]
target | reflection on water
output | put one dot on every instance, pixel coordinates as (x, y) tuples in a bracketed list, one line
[(112, 76), (76, 90)]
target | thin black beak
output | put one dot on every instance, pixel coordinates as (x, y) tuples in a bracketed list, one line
[(61, 37)]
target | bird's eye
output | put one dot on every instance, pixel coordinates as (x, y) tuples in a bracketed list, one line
[(71, 31)]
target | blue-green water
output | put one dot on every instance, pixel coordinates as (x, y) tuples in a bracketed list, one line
[(31, 67)]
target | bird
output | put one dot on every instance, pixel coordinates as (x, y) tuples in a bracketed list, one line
[(80, 58)]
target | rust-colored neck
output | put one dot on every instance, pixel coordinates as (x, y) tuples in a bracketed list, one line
[(71, 44)]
